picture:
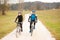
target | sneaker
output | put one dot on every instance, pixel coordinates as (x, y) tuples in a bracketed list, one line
[(30, 31), (34, 27), (21, 30)]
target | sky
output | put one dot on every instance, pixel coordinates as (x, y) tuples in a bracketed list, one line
[(49, 1)]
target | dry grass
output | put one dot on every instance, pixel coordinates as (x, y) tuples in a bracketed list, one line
[(51, 19)]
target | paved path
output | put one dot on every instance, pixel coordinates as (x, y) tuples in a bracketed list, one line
[(40, 33)]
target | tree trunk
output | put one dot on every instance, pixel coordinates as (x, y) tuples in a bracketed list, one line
[(3, 12)]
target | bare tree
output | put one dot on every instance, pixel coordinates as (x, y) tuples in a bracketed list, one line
[(3, 6), (20, 7)]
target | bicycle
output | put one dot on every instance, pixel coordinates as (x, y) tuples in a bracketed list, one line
[(32, 27), (18, 30)]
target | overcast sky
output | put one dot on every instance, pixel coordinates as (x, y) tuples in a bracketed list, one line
[(16, 1)]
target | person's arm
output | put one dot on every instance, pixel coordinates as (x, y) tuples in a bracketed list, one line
[(16, 18), (22, 18), (29, 19), (36, 18)]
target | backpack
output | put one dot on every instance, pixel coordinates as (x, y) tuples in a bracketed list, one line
[(33, 17)]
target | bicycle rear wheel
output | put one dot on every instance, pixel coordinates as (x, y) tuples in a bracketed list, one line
[(18, 31), (32, 29)]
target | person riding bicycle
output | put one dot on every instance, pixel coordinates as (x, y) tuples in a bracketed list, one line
[(19, 18), (32, 18)]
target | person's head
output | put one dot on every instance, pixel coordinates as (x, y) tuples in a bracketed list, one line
[(19, 13), (33, 11)]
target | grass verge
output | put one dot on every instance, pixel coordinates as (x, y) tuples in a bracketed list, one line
[(51, 19)]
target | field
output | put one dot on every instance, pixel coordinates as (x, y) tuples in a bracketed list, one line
[(7, 23), (50, 18)]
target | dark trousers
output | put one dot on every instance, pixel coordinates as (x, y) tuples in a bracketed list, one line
[(31, 24)]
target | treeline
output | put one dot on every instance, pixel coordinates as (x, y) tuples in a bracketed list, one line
[(36, 5)]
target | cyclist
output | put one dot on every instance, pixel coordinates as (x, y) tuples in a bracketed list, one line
[(19, 18), (32, 18)]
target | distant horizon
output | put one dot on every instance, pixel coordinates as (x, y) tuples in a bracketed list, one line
[(38, 1), (45, 2), (16, 1), (48, 1)]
